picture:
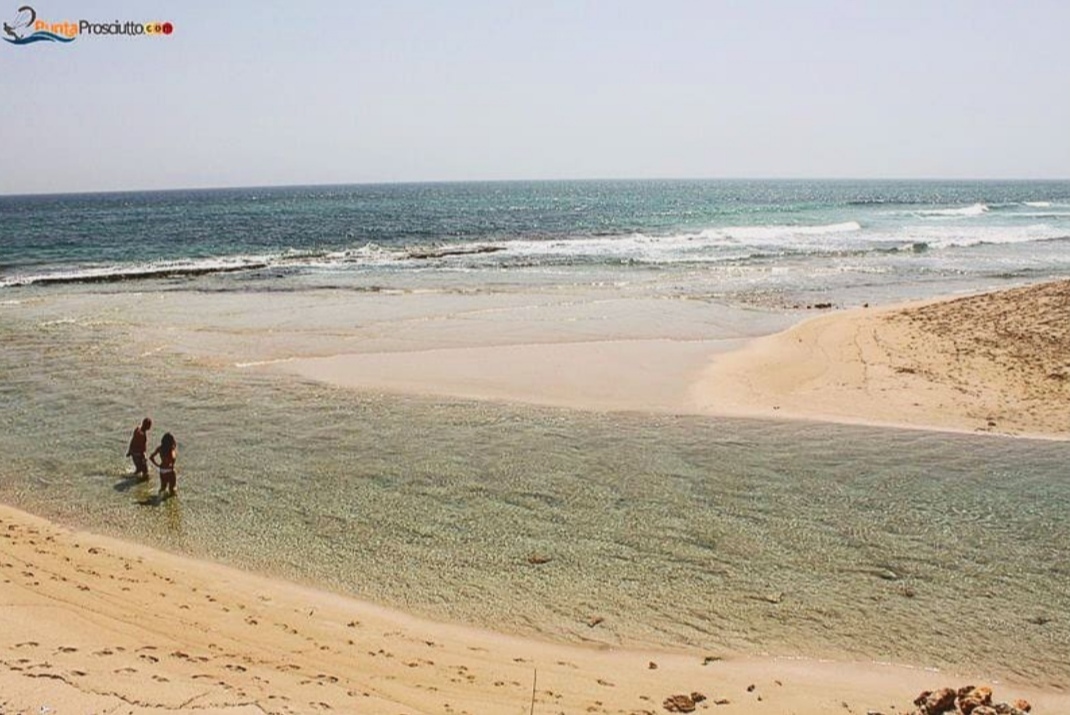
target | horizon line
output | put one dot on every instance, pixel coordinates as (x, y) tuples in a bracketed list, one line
[(431, 182)]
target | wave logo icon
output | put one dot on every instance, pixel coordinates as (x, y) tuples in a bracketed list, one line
[(25, 29)]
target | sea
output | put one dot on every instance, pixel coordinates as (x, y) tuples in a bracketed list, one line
[(614, 528)]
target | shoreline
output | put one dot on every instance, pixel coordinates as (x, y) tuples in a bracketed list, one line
[(129, 626)]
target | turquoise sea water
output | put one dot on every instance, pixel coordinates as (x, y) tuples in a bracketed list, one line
[(721, 535)]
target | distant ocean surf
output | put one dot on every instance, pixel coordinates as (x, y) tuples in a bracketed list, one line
[(756, 236)]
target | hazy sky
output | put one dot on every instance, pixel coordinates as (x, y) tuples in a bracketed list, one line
[(254, 93)]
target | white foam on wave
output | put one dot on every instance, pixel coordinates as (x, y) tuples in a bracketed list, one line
[(1038, 204), (948, 237), (764, 234), (707, 245), (974, 210), (370, 254)]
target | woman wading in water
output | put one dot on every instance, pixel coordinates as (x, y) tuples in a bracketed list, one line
[(167, 453)]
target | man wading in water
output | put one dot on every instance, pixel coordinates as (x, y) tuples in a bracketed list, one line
[(136, 450)]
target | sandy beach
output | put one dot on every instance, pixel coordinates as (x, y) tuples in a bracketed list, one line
[(92, 624)]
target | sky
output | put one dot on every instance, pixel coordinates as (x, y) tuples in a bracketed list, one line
[(271, 93)]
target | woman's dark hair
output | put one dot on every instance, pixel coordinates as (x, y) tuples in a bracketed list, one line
[(167, 442)]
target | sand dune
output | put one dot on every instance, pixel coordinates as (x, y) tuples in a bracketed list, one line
[(996, 362)]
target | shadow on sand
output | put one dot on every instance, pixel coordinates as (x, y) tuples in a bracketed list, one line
[(129, 481), (155, 499)]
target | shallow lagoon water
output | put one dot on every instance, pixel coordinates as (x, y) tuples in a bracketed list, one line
[(722, 535)]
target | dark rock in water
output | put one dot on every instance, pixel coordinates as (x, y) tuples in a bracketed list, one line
[(444, 251), (935, 703)]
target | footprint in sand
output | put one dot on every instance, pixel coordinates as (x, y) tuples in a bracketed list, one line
[(67, 649), (149, 658), (27, 644), (125, 670)]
